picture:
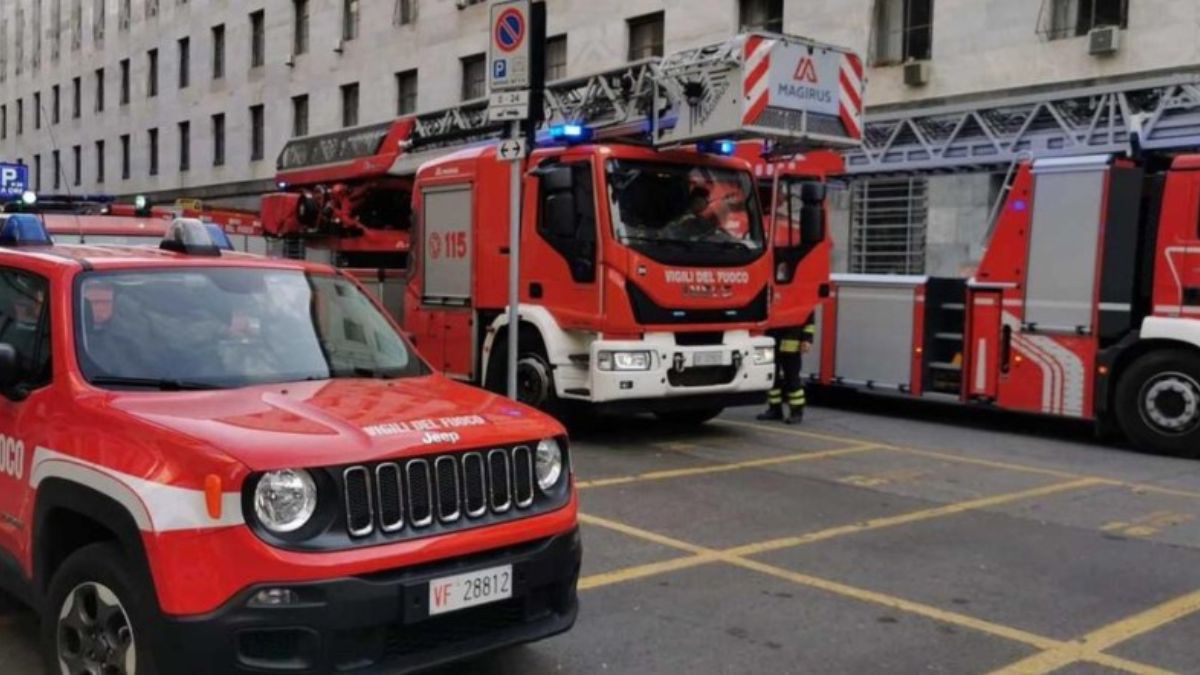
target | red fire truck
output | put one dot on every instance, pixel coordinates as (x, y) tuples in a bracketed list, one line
[(1085, 305), (646, 273), (213, 463)]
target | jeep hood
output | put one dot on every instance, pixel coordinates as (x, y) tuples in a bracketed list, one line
[(342, 421)]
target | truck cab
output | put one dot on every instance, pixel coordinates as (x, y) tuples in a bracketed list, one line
[(215, 462)]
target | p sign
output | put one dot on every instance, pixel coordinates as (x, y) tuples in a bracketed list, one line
[(509, 52), (14, 180)]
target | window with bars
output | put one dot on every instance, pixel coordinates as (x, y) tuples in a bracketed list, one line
[(903, 31), (556, 58), (1073, 18), (406, 92), (405, 12), (645, 36), (888, 221), (474, 77), (766, 15)]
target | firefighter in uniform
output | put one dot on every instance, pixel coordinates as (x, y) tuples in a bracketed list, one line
[(791, 344)]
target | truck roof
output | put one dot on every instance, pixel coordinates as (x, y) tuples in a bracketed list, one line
[(615, 150), (122, 257)]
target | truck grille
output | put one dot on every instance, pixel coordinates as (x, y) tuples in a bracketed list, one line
[(420, 495)]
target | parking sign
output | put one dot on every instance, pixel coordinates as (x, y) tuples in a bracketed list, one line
[(509, 51), (14, 180)]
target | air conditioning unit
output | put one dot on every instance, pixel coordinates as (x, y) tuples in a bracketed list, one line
[(916, 73), (1104, 40)]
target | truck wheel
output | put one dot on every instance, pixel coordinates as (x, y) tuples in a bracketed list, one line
[(689, 418), (1158, 402), (96, 617), (535, 378)]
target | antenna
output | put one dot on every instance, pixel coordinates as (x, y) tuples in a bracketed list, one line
[(62, 174)]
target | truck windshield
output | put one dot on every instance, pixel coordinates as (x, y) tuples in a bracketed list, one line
[(685, 214), (220, 328)]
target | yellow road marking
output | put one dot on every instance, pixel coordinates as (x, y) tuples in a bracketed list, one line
[(722, 468), (1149, 524), (883, 478), (1090, 646), (702, 555), (643, 571), (962, 459)]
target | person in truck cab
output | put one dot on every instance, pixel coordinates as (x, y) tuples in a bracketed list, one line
[(217, 463)]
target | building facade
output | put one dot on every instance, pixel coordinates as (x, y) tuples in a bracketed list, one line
[(196, 97)]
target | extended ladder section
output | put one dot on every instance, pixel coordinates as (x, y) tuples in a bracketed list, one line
[(786, 89), (1163, 111)]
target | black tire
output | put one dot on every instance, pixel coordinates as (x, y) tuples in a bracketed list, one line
[(81, 600), (689, 418), (535, 376), (1158, 402)]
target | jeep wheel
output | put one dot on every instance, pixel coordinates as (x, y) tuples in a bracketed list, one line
[(94, 622), (1158, 402)]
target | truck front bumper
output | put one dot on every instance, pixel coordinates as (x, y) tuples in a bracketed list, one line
[(379, 622), (732, 371)]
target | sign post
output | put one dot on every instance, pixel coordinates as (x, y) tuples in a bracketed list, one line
[(516, 65)]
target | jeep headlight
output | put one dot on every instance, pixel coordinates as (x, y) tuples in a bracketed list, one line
[(764, 356), (284, 501), (624, 360), (549, 462)]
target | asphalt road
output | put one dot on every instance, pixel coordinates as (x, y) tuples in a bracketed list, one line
[(873, 540)]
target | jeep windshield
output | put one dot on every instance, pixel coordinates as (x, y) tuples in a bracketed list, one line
[(220, 328), (685, 214)]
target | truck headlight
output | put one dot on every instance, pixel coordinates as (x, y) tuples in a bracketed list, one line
[(549, 461), (611, 360), (764, 356), (284, 501)]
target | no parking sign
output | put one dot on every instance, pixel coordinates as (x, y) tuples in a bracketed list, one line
[(508, 54)]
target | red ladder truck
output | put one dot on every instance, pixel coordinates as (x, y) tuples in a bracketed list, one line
[(646, 271), (1086, 303)]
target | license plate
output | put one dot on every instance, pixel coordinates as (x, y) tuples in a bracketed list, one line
[(708, 359), (461, 591)]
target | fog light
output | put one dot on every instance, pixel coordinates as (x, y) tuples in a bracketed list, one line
[(274, 597)]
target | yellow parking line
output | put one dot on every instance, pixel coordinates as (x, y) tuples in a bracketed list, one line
[(704, 555), (1091, 646), (962, 459), (721, 468), (643, 571)]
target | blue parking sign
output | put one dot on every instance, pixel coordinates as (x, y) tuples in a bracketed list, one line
[(500, 69), (14, 180)]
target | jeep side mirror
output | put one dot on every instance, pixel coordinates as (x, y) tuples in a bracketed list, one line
[(9, 372)]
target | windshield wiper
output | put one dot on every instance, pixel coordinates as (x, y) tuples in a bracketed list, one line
[(163, 384), (655, 240), (372, 373)]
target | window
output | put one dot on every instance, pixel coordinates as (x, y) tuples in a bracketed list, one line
[(1073, 18), (646, 36), (37, 110), (406, 92), (903, 31), (3, 122), (300, 115), (152, 150), (125, 157), (124, 81), (405, 12), (764, 15), (185, 146), (98, 16), (55, 25), (57, 170), (185, 62), (218, 52), (567, 221), (256, 132), (37, 173), (349, 19), (20, 117), (151, 9), (99, 90), (474, 77), (99, 161), (77, 158), (76, 25), (556, 58), (257, 39), (25, 324), (350, 105), (76, 97), (55, 104), (152, 73), (300, 29), (887, 226), (218, 136), (124, 14)]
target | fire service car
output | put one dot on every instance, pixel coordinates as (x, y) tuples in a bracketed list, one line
[(214, 462)]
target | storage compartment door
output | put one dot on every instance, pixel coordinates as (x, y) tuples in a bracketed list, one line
[(875, 335)]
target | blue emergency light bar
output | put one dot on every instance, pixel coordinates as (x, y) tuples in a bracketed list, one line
[(570, 133), (722, 147), (192, 236), (23, 229)]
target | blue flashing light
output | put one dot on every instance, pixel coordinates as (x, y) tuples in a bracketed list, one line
[(23, 229), (722, 147), (570, 133), (192, 236), (219, 238)]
